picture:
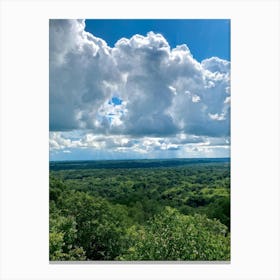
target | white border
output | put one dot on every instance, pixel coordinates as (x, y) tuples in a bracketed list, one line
[(255, 138)]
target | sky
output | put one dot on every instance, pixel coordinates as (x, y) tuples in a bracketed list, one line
[(124, 89), (205, 38)]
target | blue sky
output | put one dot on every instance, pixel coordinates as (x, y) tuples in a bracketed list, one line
[(204, 37), (122, 89)]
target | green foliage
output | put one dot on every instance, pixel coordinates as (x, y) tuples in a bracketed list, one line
[(173, 236), (63, 235), (161, 213), (101, 225), (220, 209)]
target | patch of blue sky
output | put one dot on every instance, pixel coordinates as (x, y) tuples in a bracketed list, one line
[(116, 101), (205, 37)]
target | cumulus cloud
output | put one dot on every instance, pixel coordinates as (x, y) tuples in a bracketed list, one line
[(83, 75), (140, 97), (164, 91)]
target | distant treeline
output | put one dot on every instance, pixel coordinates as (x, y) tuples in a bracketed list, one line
[(141, 163)]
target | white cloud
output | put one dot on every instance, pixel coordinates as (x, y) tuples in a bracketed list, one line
[(217, 117), (59, 141), (216, 65), (180, 145), (83, 75), (151, 78), (195, 98), (168, 101)]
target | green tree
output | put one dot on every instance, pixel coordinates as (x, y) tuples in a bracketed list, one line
[(220, 209), (62, 239), (101, 226), (174, 236)]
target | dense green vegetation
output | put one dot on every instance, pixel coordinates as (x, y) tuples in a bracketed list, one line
[(142, 210)]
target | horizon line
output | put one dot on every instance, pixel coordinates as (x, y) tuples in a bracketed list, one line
[(122, 159)]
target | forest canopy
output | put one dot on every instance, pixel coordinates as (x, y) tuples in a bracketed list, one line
[(140, 211)]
